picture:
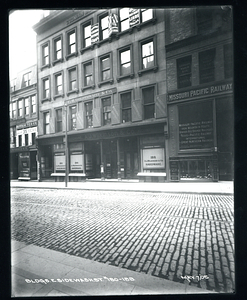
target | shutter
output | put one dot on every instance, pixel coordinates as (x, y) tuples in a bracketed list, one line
[(136, 110), (97, 117), (161, 106), (115, 114), (40, 125)]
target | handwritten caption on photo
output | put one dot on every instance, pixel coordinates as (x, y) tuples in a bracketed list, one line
[(79, 280), (197, 277)]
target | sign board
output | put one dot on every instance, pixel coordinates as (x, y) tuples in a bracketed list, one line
[(95, 33), (76, 162), (59, 162), (154, 158), (134, 17)]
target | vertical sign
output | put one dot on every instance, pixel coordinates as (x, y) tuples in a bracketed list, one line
[(112, 24), (134, 17), (95, 33)]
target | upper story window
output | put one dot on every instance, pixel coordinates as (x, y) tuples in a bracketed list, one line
[(126, 107), (59, 120), (86, 29), (13, 85), (26, 106), (58, 48), (147, 53), (125, 62), (184, 71), (88, 73), (58, 84), (72, 42), (46, 122), (33, 138), (73, 111), (26, 79), (10, 110), (46, 88), (105, 68), (124, 18), (89, 114), (45, 54), (106, 104), (72, 79), (20, 140), (207, 66), (148, 102), (26, 139), (14, 109), (33, 104), (103, 24), (20, 108), (146, 14), (228, 61)]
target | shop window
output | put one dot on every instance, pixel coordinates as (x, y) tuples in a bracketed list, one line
[(88, 74), (59, 120), (184, 71), (148, 102), (46, 123), (20, 108), (106, 104), (33, 138), (71, 38), (125, 62), (207, 66), (58, 84), (26, 139), (20, 140), (86, 31), (33, 104), (14, 109), (26, 106), (46, 88), (72, 79), (89, 114), (73, 117), (124, 18), (126, 107), (103, 27), (146, 14), (26, 79), (58, 48), (228, 61)]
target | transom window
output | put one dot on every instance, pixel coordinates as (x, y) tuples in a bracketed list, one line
[(184, 71), (45, 55), (105, 68), (88, 74), (89, 114), (46, 88), (33, 104), (46, 123), (207, 66), (126, 107), (73, 117), (26, 106), (58, 84), (72, 79), (106, 103), (146, 14), (148, 102), (59, 120), (71, 42), (87, 35), (125, 62), (103, 27), (147, 49), (124, 18), (58, 48)]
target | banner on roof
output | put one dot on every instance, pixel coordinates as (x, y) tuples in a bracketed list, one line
[(134, 17), (112, 24), (95, 33)]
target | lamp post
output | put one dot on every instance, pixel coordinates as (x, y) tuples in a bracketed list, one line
[(66, 148)]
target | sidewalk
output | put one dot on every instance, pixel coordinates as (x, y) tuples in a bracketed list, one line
[(222, 187), (37, 271)]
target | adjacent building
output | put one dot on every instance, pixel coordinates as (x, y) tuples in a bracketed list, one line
[(23, 125)]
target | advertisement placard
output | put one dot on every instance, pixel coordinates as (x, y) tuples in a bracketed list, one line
[(59, 162), (76, 162), (153, 158)]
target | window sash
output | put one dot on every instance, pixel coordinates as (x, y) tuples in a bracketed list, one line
[(46, 88), (184, 67), (106, 103), (73, 117), (89, 114), (20, 108), (72, 79), (59, 86), (146, 14), (87, 35), (72, 43), (104, 27), (147, 54), (33, 104), (58, 49), (46, 123), (33, 138), (58, 120), (26, 139), (45, 55), (20, 140), (124, 18), (26, 106)]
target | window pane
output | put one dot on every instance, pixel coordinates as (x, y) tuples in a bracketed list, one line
[(88, 42), (106, 102), (125, 56), (125, 69), (46, 84), (148, 111), (125, 25), (147, 49), (106, 75), (72, 38), (45, 50), (87, 31), (104, 22), (126, 115), (105, 63), (59, 114), (147, 14), (72, 74), (59, 54), (58, 45), (59, 79), (72, 48), (124, 13), (126, 100), (148, 62), (88, 69), (89, 80), (148, 95)]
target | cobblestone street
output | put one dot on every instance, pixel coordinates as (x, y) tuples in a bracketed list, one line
[(166, 235)]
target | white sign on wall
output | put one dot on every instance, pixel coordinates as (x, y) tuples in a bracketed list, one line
[(59, 162), (153, 158), (89, 162), (76, 162)]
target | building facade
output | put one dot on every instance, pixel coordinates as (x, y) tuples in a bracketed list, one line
[(199, 54), (102, 91), (23, 125)]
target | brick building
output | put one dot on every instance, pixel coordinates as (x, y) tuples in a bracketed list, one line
[(102, 80), (200, 93), (23, 125)]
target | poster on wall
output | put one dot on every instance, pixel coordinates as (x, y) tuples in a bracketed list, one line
[(59, 162), (76, 162), (153, 158)]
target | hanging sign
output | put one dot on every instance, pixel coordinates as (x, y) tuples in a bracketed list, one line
[(95, 33), (112, 24), (134, 18)]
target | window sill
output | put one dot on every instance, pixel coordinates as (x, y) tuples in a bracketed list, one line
[(44, 67), (111, 81), (91, 47), (57, 61), (103, 41), (154, 69), (72, 92), (71, 55), (57, 96), (131, 75), (45, 99), (88, 87), (138, 26)]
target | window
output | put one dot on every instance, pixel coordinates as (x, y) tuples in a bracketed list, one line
[(72, 79), (125, 62), (26, 139), (59, 120), (26, 106), (71, 42), (46, 88), (26, 79), (103, 23), (147, 52), (87, 35), (10, 110), (126, 107), (228, 61), (20, 108), (106, 103), (184, 71), (58, 84), (45, 55), (33, 104), (146, 14), (88, 74), (58, 48), (13, 85), (89, 114), (14, 110), (33, 138), (206, 66), (73, 117), (148, 102), (20, 140), (46, 123), (124, 19), (105, 68)]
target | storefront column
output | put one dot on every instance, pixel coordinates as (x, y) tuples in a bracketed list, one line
[(118, 161), (102, 171), (38, 164)]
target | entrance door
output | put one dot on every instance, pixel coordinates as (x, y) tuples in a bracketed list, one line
[(131, 165), (33, 165)]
